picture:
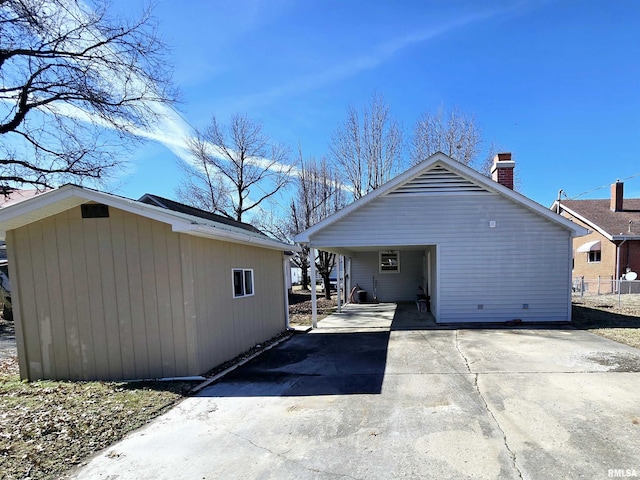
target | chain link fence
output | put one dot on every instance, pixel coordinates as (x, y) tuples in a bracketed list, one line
[(607, 291)]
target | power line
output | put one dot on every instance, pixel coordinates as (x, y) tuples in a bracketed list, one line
[(598, 188)]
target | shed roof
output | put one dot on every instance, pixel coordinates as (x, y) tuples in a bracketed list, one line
[(151, 199), (441, 175), (598, 215), (182, 220)]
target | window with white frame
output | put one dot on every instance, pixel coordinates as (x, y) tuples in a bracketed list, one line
[(389, 261), (242, 282)]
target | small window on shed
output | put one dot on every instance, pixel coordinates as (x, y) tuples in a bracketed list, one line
[(94, 210), (594, 256), (242, 282), (389, 261)]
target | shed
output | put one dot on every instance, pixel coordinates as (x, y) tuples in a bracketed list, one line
[(478, 250), (109, 288)]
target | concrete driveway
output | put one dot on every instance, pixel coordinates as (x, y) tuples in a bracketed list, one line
[(362, 399)]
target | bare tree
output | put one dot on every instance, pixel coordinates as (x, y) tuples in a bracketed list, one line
[(454, 134), (237, 168), (68, 76), (319, 193), (368, 147)]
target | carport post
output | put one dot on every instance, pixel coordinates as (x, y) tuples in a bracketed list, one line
[(338, 279), (314, 299)]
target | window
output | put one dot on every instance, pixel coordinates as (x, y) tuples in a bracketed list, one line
[(242, 282), (389, 261), (594, 256)]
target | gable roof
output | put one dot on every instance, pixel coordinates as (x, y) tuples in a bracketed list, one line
[(441, 175), (151, 199), (70, 196), (599, 216)]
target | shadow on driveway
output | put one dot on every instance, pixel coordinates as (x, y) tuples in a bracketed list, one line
[(326, 363)]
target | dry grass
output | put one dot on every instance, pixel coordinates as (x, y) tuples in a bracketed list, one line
[(47, 427), (619, 323), (300, 307)]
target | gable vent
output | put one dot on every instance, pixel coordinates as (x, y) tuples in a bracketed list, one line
[(438, 180)]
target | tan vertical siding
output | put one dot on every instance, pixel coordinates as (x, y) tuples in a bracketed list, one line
[(15, 298), (125, 297), (29, 353), (100, 297), (55, 300), (68, 296), (228, 326), (122, 299), (78, 274)]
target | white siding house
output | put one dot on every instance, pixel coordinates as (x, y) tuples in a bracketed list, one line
[(479, 250)]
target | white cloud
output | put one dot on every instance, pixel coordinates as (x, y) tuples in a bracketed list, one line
[(370, 60)]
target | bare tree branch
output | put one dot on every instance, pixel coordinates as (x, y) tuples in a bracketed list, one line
[(455, 134), (319, 193), (237, 165), (74, 83), (368, 147)]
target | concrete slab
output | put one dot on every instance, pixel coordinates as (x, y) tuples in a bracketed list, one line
[(358, 398)]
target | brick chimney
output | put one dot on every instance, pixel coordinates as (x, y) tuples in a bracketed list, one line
[(616, 196), (502, 169)]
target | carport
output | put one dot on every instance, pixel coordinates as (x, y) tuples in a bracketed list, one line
[(479, 251)]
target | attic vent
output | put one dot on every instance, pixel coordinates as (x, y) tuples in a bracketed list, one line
[(436, 181), (94, 210)]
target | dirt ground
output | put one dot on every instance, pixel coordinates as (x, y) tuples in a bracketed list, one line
[(619, 323), (300, 307)]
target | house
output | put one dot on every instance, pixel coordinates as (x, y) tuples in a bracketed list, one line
[(612, 247), (479, 251), (109, 288)]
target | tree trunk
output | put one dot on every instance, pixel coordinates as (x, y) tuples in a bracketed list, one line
[(327, 285), (304, 281)]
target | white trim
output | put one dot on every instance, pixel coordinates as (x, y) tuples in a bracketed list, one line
[(585, 220), (244, 285), (70, 196), (456, 167), (314, 293), (438, 282), (570, 281), (286, 270)]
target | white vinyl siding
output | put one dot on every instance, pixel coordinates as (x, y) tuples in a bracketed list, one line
[(523, 259), (397, 287)]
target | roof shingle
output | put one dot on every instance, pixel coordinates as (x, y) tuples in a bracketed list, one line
[(599, 214)]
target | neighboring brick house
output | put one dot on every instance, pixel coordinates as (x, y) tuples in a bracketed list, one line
[(612, 247)]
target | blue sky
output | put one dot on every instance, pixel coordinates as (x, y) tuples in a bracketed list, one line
[(557, 83)]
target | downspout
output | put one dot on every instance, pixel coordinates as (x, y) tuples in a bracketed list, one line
[(314, 299), (286, 265), (618, 262), (618, 271)]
